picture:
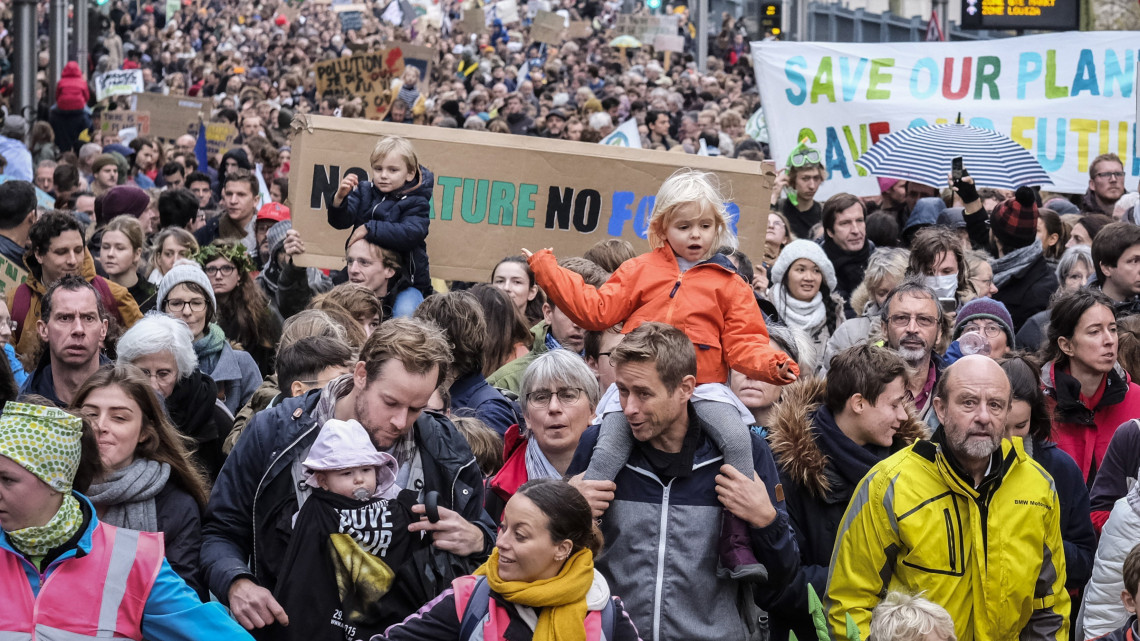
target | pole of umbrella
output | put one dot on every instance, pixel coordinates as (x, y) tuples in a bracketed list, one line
[(702, 35), (24, 28), (80, 34)]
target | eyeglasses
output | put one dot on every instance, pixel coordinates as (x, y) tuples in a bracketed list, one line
[(226, 270), (803, 156), (177, 306), (10, 324), (566, 396), (991, 331), (983, 283), (903, 320), (1111, 175)]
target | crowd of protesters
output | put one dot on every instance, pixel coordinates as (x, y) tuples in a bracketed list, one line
[(908, 415)]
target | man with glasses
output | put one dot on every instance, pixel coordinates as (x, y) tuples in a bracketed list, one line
[(662, 517), (914, 322), (989, 319), (1106, 185), (800, 181), (72, 326)]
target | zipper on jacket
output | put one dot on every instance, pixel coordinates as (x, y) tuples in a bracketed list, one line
[(949, 537), (673, 300), (661, 538)]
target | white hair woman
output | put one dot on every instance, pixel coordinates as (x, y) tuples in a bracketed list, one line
[(163, 348), (559, 394)]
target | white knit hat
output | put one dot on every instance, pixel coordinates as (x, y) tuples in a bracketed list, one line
[(808, 249), (185, 271)]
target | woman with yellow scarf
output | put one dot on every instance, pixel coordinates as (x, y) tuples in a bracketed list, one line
[(539, 584)]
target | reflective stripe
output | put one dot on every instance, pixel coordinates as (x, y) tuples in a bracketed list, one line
[(124, 548), (45, 633)]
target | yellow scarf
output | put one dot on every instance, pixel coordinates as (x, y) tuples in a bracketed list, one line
[(562, 598)]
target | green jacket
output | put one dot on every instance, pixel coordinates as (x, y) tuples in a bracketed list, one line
[(509, 376)]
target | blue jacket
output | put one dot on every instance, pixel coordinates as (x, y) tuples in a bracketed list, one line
[(396, 221), (472, 393), (172, 612), (662, 538), (248, 520)]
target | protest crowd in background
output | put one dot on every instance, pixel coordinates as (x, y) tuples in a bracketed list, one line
[(907, 414)]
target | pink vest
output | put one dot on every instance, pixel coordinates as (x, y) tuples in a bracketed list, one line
[(101, 594), (498, 619)]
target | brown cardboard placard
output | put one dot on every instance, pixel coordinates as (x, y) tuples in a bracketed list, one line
[(11, 275), (172, 116), (580, 29), (420, 57), (113, 122), (547, 27), (220, 138), (368, 75), (474, 20), (495, 194)]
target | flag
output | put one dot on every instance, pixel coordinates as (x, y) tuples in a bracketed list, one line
[(757, 127), (524, 73), (626, 135), (200, 150)]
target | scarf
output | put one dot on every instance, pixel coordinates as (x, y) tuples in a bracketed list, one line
[(808, 316), (1015, 263), (37, 541), (209, 348), (128, 495), (537, 465), (562, 598)]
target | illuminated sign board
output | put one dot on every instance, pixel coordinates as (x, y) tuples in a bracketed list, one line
[(1060, 15)]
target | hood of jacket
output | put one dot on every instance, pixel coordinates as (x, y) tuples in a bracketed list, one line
[(71, 70), (925, 212), (794, 436), (422, 187)]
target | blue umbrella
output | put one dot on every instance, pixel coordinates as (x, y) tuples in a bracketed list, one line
[(923, 155)]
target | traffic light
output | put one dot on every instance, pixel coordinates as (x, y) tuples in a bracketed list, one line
[(771, 17), (653, 5)]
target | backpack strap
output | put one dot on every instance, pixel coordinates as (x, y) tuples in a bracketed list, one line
[(608, 622), (21, 303), (478, 604), (109, 301)]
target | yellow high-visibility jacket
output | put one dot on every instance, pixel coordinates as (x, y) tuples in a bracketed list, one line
[(991, 556)]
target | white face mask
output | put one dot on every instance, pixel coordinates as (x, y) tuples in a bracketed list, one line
[(943, 286)]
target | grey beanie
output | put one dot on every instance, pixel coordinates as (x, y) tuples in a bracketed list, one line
[(276, 235), (184, 271), (810, 250)]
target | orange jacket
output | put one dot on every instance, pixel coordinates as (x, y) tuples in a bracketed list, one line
[(710, 303)]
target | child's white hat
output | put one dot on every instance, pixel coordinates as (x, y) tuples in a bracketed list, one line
[(344, 444)]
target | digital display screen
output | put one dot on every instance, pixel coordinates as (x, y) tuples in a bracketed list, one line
[(1060, 15)]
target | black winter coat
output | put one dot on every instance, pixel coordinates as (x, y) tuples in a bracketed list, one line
[(1077, 532), (180, 520), (1029, 293), (820, 469), (248, 521), (396, 221)]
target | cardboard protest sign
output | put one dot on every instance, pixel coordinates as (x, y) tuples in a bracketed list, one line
[(220, 138), (671, 44), (368, 75), (11, 275), (112, 122), (172, 116), (547, 27), (495, 194), (474, 20), (580, 29), (351, 16), (420, 57), (1066, 99), (120, 82), (646, 27)]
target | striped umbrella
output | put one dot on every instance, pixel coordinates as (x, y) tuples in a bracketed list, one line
[(923, 155)]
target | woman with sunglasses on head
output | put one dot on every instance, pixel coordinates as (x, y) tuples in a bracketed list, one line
[(796, 187)]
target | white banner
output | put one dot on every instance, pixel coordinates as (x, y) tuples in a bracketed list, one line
[(626, 135), (1066, 97), (118, 83)]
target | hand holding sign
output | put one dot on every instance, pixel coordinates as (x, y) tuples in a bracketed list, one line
[(346, 186)]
